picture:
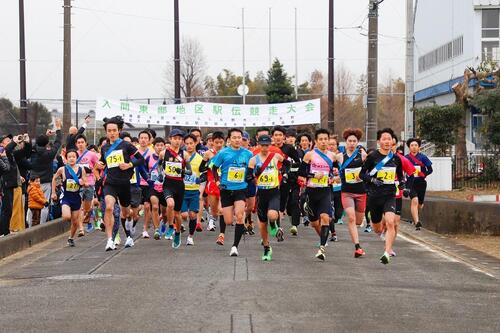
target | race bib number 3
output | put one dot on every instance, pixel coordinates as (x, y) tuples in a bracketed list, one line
[(352, 175), (236, 175), (72, 186), (115, 159), (387, 175), (173, 169)]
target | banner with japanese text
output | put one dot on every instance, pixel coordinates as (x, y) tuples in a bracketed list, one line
[(201, 114)]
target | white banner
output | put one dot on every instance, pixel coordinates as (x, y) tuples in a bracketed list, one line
[(200, 114)]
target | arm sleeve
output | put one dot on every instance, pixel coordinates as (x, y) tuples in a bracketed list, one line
[(215, 173), (399, 168), (365, 169), (304, 169), (203, 166)]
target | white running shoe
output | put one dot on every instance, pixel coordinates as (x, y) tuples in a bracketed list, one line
[(190, 241), (211, 224), (129, 242), (145, 234), (234, 252), (110, 245)]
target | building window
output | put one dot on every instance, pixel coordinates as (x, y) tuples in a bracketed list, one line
[(442, 54), (490, 28)]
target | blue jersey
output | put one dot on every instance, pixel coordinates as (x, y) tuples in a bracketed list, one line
[(233, 164), (425, 165)]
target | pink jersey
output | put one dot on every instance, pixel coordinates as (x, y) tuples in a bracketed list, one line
[(318, 165), (88, 159), (146, 154)]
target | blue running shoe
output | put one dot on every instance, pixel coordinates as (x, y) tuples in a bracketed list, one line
[(368, 229), (163, 228), (90, 227), (169, 233), (177, 241)]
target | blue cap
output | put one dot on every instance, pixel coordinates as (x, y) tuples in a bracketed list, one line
[(246, 136), (264, 140), (176, 132)]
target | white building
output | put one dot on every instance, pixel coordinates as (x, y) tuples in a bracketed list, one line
[(449, 36)]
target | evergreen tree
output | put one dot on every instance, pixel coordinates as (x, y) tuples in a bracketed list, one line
[(279, 85)]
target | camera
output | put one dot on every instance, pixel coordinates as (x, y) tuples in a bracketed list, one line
[(20, 138)]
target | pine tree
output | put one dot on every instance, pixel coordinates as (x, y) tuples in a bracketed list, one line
[(279, 85)]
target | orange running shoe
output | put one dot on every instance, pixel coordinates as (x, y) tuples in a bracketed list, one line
[(359, 252), (220, 240)]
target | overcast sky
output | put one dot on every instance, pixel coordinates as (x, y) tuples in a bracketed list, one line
[(121, 47)]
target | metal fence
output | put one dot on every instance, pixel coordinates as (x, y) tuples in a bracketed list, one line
[(476, 171)]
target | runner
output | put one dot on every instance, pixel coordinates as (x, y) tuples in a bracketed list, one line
[(175, 166), (316, 171), (118, 158), (146, 150), (155, 181), (251, 192), (73, 179), (233, 163), (353, 190), (191, 202), (305, 144), (337, 209), (87, 159), (423, 168), (200, 149), (380, 170), (264, 167)]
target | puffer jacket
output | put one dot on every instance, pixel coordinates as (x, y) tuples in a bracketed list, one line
[(36, 199)]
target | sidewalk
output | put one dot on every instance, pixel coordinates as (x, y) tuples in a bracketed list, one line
[(476, 259)]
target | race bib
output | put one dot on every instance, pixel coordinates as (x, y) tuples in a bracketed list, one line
[(173, 169), (418, 169), (352, 175), (154, 176), (267, 178), (336, 187), (397, 188), (321, 182), (236, 175), (190, 180), (133, 179), (72, 185), (387, 175), (115, 159)]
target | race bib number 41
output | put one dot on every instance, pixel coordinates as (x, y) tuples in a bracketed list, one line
[(115, 159), (236, 175), (387, 175), (72, 186)]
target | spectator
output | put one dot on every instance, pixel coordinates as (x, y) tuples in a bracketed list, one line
[(36, 200), (11, 180), (42, 158), (74, 132)]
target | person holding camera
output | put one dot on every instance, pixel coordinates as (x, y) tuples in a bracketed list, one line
[(42, 157), (16, 148)]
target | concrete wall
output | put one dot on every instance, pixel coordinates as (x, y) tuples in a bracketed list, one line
[(458, 217), (441, 177)]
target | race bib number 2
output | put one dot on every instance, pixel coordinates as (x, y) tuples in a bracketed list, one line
[(387, 175), (115, 159), (236, 175)]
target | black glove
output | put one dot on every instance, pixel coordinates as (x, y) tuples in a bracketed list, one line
[(406, 192), (178, 170), (203, 177), (377, 182), (401, 186)]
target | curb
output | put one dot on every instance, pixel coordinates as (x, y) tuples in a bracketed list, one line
[(25, 239)]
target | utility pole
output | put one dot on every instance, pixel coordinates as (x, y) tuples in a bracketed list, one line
[(371, 125), (410, 74), (177, 59), (22, 72), (67, 67), (296, 61), (243, 39), (331, 96)]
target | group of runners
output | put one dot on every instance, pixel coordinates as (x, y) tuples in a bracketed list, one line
[(172, 181)]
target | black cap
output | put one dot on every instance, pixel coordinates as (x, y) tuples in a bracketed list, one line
[(176, 132), (6, 136), (291, 132), (264, 140)]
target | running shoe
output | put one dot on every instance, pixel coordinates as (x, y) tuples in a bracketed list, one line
[(273, 229), (97, 225), (385, 259), (321, 255), (234, 252), (392, 253), (359, 253), (333, 237), (183, 228), (293, 230), (280, 235), (418, 226), (90, 227), (141, 213), (117, 240), (157, 234), (145, 234), (268, 254), (220, 240), (306, 221), (368, 229), (199, 227), (163, 228), (211, 224), (110, 245), (250, 229), (189, 241), (177, 241), (102, 226), (71, 242), (129, 242), (81, 233), (169, 234)]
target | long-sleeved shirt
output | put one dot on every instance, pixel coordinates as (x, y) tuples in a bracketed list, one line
[(387, 174)]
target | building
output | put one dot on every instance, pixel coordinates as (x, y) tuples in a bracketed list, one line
[(449, 36)]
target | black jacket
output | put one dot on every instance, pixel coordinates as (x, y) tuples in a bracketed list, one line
[(11, 178), (42, 158), (4, 165)]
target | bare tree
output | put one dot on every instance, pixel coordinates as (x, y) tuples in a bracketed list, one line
[(193, 68)]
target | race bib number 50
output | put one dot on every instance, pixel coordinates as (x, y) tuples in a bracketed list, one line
[(115, 159)]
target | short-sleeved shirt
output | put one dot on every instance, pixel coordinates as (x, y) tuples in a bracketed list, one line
[(233, 164), (121, 154)]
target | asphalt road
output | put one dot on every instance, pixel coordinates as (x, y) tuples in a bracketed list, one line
[(154, 288)]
